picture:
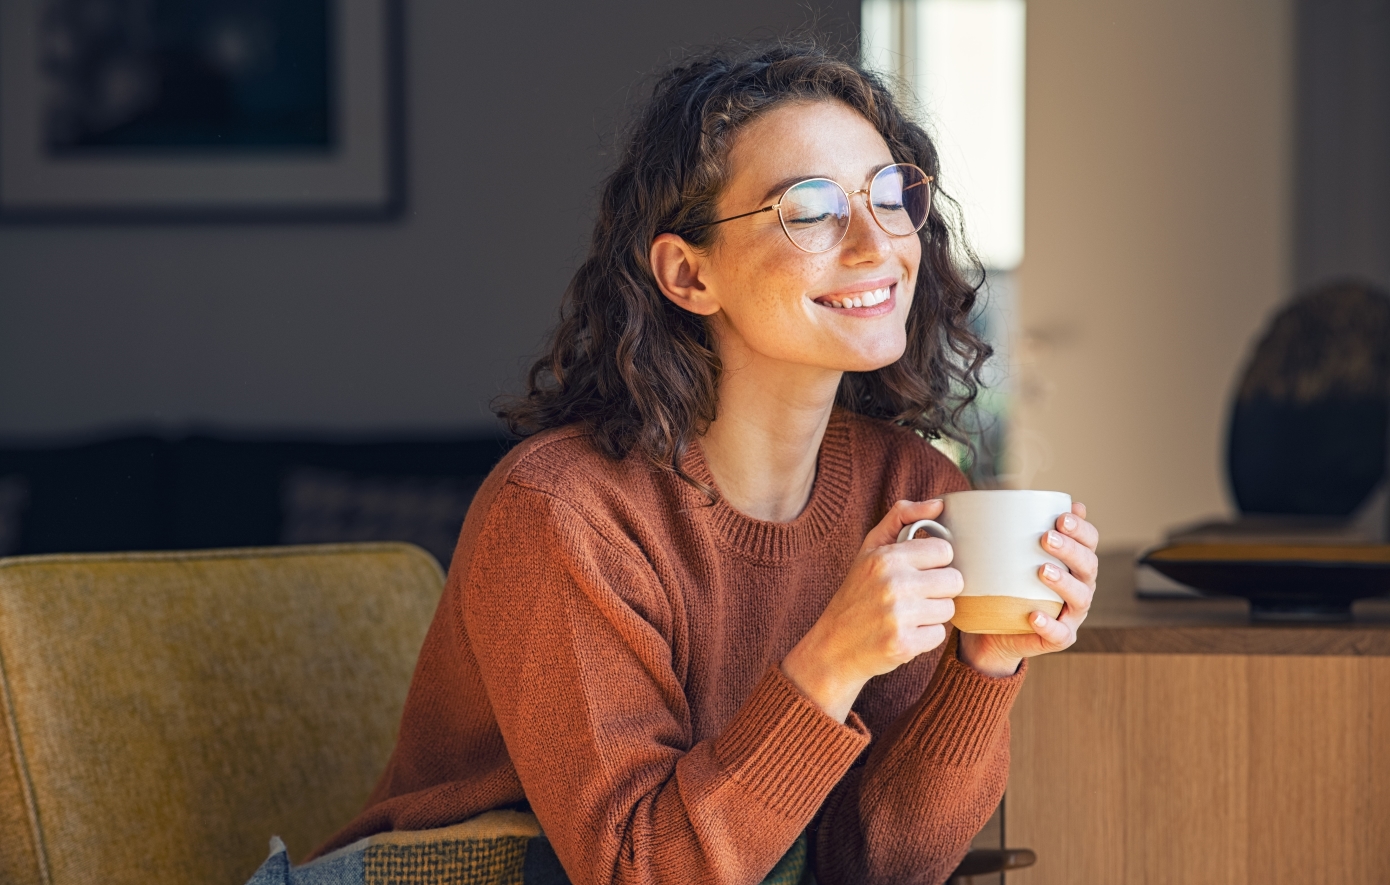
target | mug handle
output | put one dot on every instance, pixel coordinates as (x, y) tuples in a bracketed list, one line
[(934, 528)]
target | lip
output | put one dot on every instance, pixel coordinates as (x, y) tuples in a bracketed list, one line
[(879, 309)]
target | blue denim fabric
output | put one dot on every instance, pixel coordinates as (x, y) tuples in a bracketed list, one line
[(342, 869)]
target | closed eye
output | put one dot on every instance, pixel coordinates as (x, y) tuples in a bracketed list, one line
[(811, 219)]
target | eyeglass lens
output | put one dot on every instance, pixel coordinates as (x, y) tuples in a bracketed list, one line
[(815, 213)]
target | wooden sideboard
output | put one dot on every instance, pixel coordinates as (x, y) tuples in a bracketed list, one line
[(1176, 742)]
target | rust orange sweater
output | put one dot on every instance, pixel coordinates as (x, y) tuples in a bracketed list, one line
[(607, 649)]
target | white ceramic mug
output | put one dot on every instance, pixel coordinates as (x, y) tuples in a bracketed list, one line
[(997, 539)]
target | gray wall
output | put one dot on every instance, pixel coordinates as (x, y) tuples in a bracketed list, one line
[(411, 325), (1342, 217)]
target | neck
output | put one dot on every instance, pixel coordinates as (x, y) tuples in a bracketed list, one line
[(762, 447)]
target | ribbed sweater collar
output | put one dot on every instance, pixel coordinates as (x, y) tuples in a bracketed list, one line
[(781, 541)]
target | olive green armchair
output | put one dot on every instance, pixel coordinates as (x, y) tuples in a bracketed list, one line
[(163, 714)]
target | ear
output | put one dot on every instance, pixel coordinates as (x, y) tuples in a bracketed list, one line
[(677, 267)]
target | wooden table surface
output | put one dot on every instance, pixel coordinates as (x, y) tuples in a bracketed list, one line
[(1120, 622)]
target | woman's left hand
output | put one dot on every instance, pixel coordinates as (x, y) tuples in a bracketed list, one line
[(1074, 543)]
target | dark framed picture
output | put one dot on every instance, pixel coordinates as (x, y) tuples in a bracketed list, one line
[(200, 109)]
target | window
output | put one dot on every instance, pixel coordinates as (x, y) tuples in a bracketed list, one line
[(959, 65)]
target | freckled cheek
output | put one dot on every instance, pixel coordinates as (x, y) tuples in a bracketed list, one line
[(806, 274), (772, 275), (909, 251), (782, 284), (911, 261)]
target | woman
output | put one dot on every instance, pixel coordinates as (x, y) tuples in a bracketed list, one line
[(676, 619)]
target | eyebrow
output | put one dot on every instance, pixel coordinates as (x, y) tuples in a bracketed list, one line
[(777, 189)]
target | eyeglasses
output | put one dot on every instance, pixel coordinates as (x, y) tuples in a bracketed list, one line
[(815, 212)]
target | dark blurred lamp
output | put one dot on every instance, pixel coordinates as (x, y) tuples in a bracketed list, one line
[(1308, 431)]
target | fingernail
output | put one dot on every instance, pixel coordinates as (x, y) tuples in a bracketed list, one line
[(1038, 618), (1052, 572), (1054, 539), (1069, 523), (933, 501)]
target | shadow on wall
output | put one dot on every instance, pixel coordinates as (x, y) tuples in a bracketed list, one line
[(146, 492)]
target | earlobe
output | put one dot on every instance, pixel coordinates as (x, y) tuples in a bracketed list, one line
[(677, 267)]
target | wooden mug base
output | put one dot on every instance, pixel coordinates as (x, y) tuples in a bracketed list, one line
[(1000, 614)]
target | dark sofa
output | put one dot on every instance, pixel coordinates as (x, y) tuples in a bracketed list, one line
[(146, 492)]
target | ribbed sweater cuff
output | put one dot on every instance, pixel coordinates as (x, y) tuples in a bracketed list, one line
[(963, 709), (785, 750)]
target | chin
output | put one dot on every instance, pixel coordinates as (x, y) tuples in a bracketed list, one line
[(872, 361), (862, 366)]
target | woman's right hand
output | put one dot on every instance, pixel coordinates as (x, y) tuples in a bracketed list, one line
[(893, 606)]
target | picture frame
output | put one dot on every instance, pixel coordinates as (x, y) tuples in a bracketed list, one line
[(233, 110)]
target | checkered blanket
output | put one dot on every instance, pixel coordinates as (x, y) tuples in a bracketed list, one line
[(497, 848)]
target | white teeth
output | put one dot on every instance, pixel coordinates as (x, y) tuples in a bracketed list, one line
[(864, 299)]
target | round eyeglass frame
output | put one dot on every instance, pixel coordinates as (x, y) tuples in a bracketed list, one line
[(849, 202)]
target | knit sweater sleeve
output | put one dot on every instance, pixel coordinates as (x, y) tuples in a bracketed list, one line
[(571, 632), (929, 783)]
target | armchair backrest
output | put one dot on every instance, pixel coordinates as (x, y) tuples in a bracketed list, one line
[(163, 714)]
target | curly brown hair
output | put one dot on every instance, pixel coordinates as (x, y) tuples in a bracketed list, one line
[(642, 373)]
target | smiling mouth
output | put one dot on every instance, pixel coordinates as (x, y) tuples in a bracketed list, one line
[(871, 298)]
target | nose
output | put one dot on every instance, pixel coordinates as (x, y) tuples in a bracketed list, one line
[(865, 242)]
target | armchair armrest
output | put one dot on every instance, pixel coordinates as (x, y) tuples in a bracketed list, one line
[(984, 861)]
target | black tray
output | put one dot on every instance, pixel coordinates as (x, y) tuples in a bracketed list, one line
[(1282, 581)]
